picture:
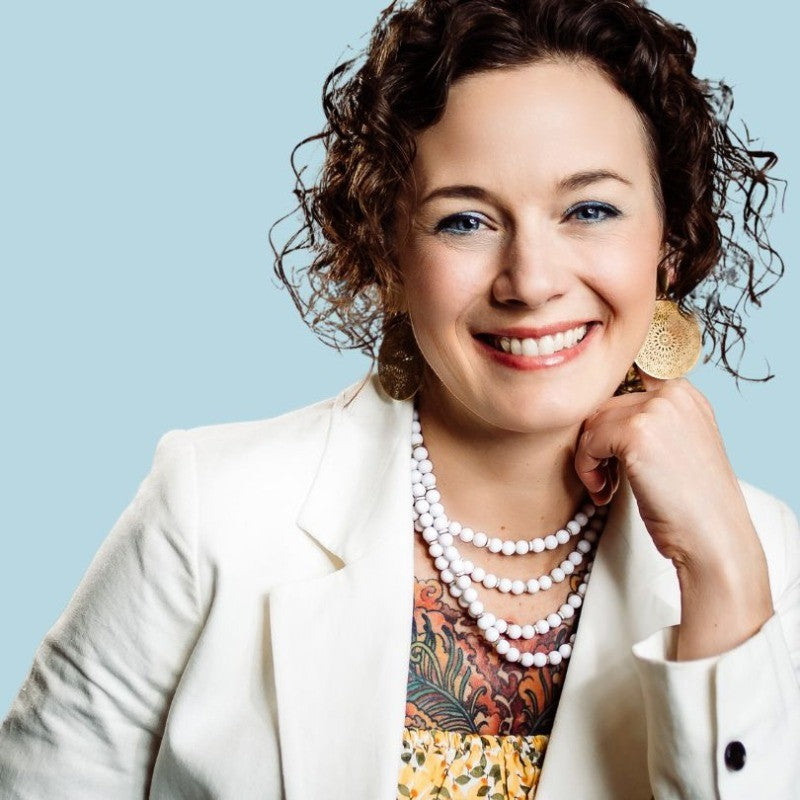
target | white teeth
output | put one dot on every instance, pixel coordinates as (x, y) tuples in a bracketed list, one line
[(544, 346)]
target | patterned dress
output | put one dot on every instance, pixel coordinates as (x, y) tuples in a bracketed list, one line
[(476, 725)]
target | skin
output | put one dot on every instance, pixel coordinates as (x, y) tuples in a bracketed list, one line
[(516, 450)]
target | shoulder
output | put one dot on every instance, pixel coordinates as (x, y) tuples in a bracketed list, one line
[(777, 528)]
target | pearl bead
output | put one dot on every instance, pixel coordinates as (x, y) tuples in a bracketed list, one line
[(562, 536), (466, 535), (491, 634), (422, 505), (437, 509), (550, 542), (537, 545), (433, 496), (554, 657), (480, 539), (445, 539), (430, 535), (545, 582), (517, 587), (416, 476), (508, 547), (582, 589), (437, 551), (590, 536), (447, 576), (575, 600), (566, 611), (418, 490), (573, 527), (557, 574), (532, 586), (581, 518), (512, 655), (463, 581), (541, 626), (502, 646), (575, 557), (504, 585), (522, 547), (469, 567), (539, 659), (462, 602), (526, 660), (528, 631), (583, 546), (457, 565), (565, 650), (477, 573), (567, 567), (589, 510), (486, 621), (454, 590), (490, 580), (428, 480), (416, 438), (425, 466), (514, 631), (501, 625), (415, 426), (554, 620), (454, 527), (475, 608), (441, 563), (441, 523), (426, 520), (470, 595), (495, 545), (450, 553)]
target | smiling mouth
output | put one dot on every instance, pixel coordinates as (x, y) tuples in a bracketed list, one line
[(540, 346)]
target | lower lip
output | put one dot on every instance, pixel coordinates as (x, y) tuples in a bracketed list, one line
[(539, 362)]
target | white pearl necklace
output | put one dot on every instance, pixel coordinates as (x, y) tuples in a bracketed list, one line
[(440, 533)]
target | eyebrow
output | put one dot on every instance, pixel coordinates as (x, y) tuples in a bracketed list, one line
[(572, 182)]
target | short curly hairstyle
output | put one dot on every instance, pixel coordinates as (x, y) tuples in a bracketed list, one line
[(377, 103)]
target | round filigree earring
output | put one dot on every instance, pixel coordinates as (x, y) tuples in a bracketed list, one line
[(400, 364), (674, 339)]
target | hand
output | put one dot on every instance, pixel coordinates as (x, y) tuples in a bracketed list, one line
[(667, 441)]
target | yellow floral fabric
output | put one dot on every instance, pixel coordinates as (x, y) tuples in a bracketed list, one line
[(447, 765)]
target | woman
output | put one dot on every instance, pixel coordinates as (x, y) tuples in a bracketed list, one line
[(508, 188)]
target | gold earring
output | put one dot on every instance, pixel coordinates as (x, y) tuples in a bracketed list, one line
[(399, 360), (674, 339)]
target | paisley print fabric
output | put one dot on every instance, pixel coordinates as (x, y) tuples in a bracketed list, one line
[(458, 683), (446, 765)]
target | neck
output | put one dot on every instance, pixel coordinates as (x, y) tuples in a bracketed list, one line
[(505, 483)]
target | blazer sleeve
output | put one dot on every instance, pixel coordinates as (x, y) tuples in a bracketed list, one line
[(744, 702), (88, 719)]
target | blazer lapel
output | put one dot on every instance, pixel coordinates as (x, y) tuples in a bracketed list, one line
[(598, 745), (341, 641)]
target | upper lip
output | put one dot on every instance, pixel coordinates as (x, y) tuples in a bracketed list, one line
[(520, 332)]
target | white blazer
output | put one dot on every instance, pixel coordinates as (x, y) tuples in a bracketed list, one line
[(244, 632)]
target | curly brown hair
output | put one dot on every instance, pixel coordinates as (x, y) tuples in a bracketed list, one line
[(377, 103)]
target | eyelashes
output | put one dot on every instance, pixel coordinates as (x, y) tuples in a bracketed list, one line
[(465, 223)]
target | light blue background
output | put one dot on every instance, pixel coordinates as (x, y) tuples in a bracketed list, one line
[(144, 155)]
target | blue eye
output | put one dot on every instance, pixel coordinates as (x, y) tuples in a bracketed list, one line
[(460, 224), (592, 212)]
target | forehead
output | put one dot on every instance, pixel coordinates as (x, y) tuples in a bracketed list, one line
[(531, 126)]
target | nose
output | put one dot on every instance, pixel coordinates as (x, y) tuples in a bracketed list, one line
[(531, 272)]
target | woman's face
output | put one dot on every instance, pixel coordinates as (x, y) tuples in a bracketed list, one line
[(529, 268)]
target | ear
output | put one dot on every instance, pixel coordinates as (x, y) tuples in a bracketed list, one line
[(667, 266)]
